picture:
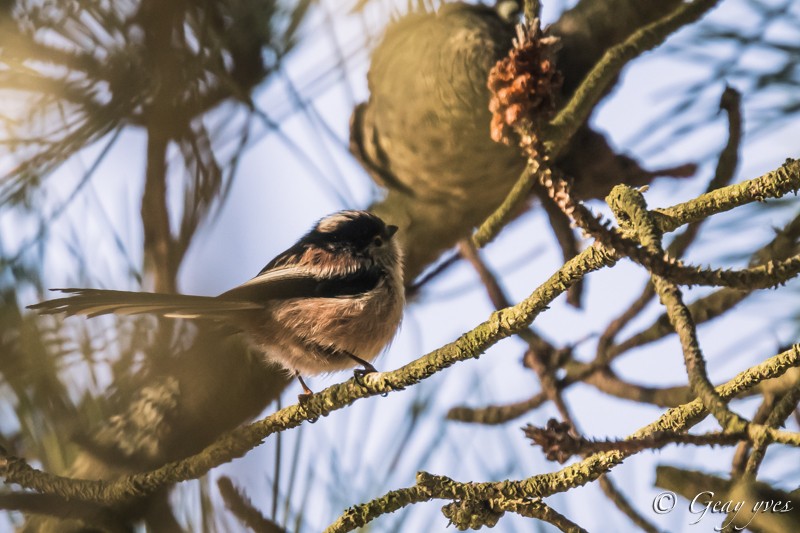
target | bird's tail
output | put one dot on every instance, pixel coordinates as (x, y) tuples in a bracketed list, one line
[(95, 302)]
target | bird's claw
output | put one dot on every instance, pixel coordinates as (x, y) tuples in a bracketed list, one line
[(359, 373), (304, 397)]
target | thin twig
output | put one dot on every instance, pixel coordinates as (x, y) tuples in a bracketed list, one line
[(742, 453), (782, 410), (567, 240), (622, 503), (725, 170), (540, 351), (629, 204)]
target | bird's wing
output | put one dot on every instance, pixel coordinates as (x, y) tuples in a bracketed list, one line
[(297, 282)]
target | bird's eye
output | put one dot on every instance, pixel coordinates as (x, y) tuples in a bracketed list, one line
[(377, 241)]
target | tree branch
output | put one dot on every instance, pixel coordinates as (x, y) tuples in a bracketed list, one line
[(629, 205), (675, 420)]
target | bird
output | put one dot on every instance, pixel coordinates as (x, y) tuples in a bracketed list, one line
[(330, 302)]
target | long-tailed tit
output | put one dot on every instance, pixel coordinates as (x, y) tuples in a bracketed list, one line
[(332, 301)]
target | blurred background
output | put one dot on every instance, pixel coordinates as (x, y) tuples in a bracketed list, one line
[(230, 144)]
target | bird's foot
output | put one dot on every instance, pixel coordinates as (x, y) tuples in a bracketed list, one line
[(304, 397), (307, 393), (359, 373)]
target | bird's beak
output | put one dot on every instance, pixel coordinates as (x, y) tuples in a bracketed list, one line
[(390, 231)]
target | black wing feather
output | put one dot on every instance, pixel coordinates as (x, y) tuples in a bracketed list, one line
[(307, 287)]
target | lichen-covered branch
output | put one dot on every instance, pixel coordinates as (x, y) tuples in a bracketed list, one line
[(560, 443), (541, 511), (772, 273), (702, 310), (773, 184), (715, 304), (360, 515), (675, 420), (496, 414), (723, 175), (629, 205)]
